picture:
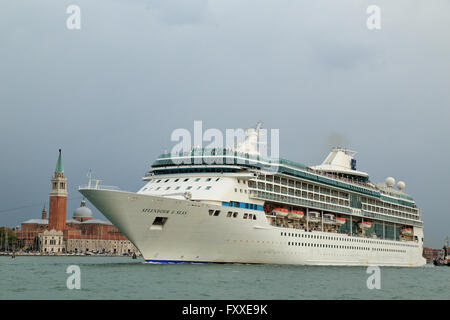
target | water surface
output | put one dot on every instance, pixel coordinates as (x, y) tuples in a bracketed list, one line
[(124, 278)]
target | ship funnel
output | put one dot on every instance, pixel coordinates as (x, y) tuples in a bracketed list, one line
[(250, 144)]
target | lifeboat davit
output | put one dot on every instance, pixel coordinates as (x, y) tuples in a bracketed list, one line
[(340, 221), (296, 214), (365, 225), (329, 218), (314, 216), (407, 231), (280, 212)]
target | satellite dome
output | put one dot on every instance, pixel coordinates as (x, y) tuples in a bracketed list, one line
[(83, 211), (401, 185), (390, 182)]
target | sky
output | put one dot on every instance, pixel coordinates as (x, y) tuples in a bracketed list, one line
[(111, 93)]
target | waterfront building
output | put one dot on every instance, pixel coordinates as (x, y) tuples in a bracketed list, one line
[(52, 241), (431, 254), (81, 234)]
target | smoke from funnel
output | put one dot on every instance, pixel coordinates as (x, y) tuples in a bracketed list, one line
[(336, 139)]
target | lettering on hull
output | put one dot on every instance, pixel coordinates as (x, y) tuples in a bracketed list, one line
[(165, 211)]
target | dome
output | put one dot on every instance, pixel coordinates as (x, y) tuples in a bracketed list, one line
[(390, 182), (401, 185), (82, 211)]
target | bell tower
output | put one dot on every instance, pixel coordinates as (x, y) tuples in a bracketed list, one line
[(58, 198), (44, 213)]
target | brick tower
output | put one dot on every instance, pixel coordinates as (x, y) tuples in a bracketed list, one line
[(58, 198), (44, 213)]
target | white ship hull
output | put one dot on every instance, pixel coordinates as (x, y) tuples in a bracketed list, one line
[(190, 234)]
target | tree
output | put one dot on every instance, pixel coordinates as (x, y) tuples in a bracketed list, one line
[(8, 240)]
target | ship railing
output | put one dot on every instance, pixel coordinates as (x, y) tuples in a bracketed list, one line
[(206, 152), (98, 187)]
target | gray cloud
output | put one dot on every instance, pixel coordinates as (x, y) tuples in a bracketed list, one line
[(110, 94)]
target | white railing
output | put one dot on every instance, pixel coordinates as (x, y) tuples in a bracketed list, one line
[(94, 184), (97, 187)]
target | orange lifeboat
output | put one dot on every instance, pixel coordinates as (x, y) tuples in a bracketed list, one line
[(296, 214), (365, 225), (280, 212), (340, 221), (407, 231)]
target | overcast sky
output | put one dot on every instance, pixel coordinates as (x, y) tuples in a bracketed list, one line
[(111, 94)]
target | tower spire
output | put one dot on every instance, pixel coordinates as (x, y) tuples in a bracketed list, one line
[(59, 165)]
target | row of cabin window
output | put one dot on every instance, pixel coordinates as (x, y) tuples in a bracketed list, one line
[(230, 214), (176, 188), (342, 239), (304, 186), (184, 180), (320, 245), (238, 204)]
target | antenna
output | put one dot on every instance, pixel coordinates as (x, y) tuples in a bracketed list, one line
[(258, 126), (97, 181), (89, 175)]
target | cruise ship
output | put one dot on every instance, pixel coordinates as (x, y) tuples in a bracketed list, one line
[(236, 206)]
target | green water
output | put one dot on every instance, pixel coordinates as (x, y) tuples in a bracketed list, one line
[(124, 278)]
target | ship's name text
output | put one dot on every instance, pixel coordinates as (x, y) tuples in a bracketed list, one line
[(165, 211)]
